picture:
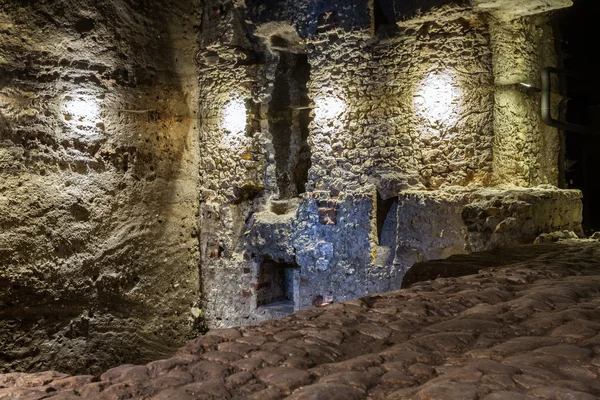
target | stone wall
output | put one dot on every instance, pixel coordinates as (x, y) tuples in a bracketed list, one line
[(98, 182), (265, 142), (237, 160), (410, 107), (437, 224), (330, 241), (335, 247), (383, 97), (526, 151)]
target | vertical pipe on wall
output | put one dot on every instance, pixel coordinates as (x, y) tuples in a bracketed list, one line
[(525, 150)]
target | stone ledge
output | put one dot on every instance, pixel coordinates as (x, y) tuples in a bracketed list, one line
[(440, 223), (511, 9)]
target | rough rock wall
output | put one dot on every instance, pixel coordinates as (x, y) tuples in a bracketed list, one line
[(98, 182), (438, 224), (526, 151), (336, 248), (399, 100), (237, 161), (372, 99), (411, 107)]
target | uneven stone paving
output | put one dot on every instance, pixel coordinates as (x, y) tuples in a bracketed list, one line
[(529, 330)]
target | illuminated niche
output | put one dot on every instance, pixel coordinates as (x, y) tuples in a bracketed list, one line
[(437, 102)]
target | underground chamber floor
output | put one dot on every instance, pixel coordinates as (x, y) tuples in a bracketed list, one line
[(528, 328)]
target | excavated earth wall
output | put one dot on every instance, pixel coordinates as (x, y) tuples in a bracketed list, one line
[(98, 182)]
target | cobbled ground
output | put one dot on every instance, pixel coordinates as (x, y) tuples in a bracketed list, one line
[(526, 330)]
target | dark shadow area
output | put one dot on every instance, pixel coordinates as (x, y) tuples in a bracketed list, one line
[(407, 9), (289, 118), (382, 16), (470, 264), (280, 123), (275, 284), (580, 34), (386, 220), (302, 76)]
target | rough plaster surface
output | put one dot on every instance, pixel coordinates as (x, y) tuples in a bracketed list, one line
[(98, 182), (523, 325)]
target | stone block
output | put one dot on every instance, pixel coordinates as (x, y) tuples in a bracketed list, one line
[(438, 224)]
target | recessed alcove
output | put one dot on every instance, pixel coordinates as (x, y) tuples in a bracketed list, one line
[(289, 118), (275, 287), (386, 220), (386, 229)]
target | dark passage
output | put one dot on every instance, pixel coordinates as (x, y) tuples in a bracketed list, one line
[(580, 34), (289, 118)]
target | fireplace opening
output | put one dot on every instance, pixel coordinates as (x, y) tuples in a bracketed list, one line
[(276, 282)]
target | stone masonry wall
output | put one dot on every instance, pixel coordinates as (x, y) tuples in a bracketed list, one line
[(336, 251), (236, 164), (98, 182), (410, 107), (407, 101), (265, 142), (438, 224), (526, 151)]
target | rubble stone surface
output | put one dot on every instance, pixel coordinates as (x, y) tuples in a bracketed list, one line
[(349, 106)]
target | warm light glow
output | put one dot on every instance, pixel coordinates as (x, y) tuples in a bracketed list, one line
[(328, 108), (437, 100), (82, 111), (233, 119)]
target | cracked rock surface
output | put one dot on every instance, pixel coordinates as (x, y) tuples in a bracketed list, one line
[(527, 329)]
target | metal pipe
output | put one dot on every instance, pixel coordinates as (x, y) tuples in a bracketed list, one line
[(546, 104)]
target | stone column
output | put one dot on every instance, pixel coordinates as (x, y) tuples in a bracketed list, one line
[(525, 149)]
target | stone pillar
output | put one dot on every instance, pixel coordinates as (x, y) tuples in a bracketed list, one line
[(525, 149)]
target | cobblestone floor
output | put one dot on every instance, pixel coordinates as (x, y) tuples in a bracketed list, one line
[(528, 330)]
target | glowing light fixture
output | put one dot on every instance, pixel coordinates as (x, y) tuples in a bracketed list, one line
[(81, 109), (528, 88), (82, 112), (328, 108), (437, 100), (233, 118)]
